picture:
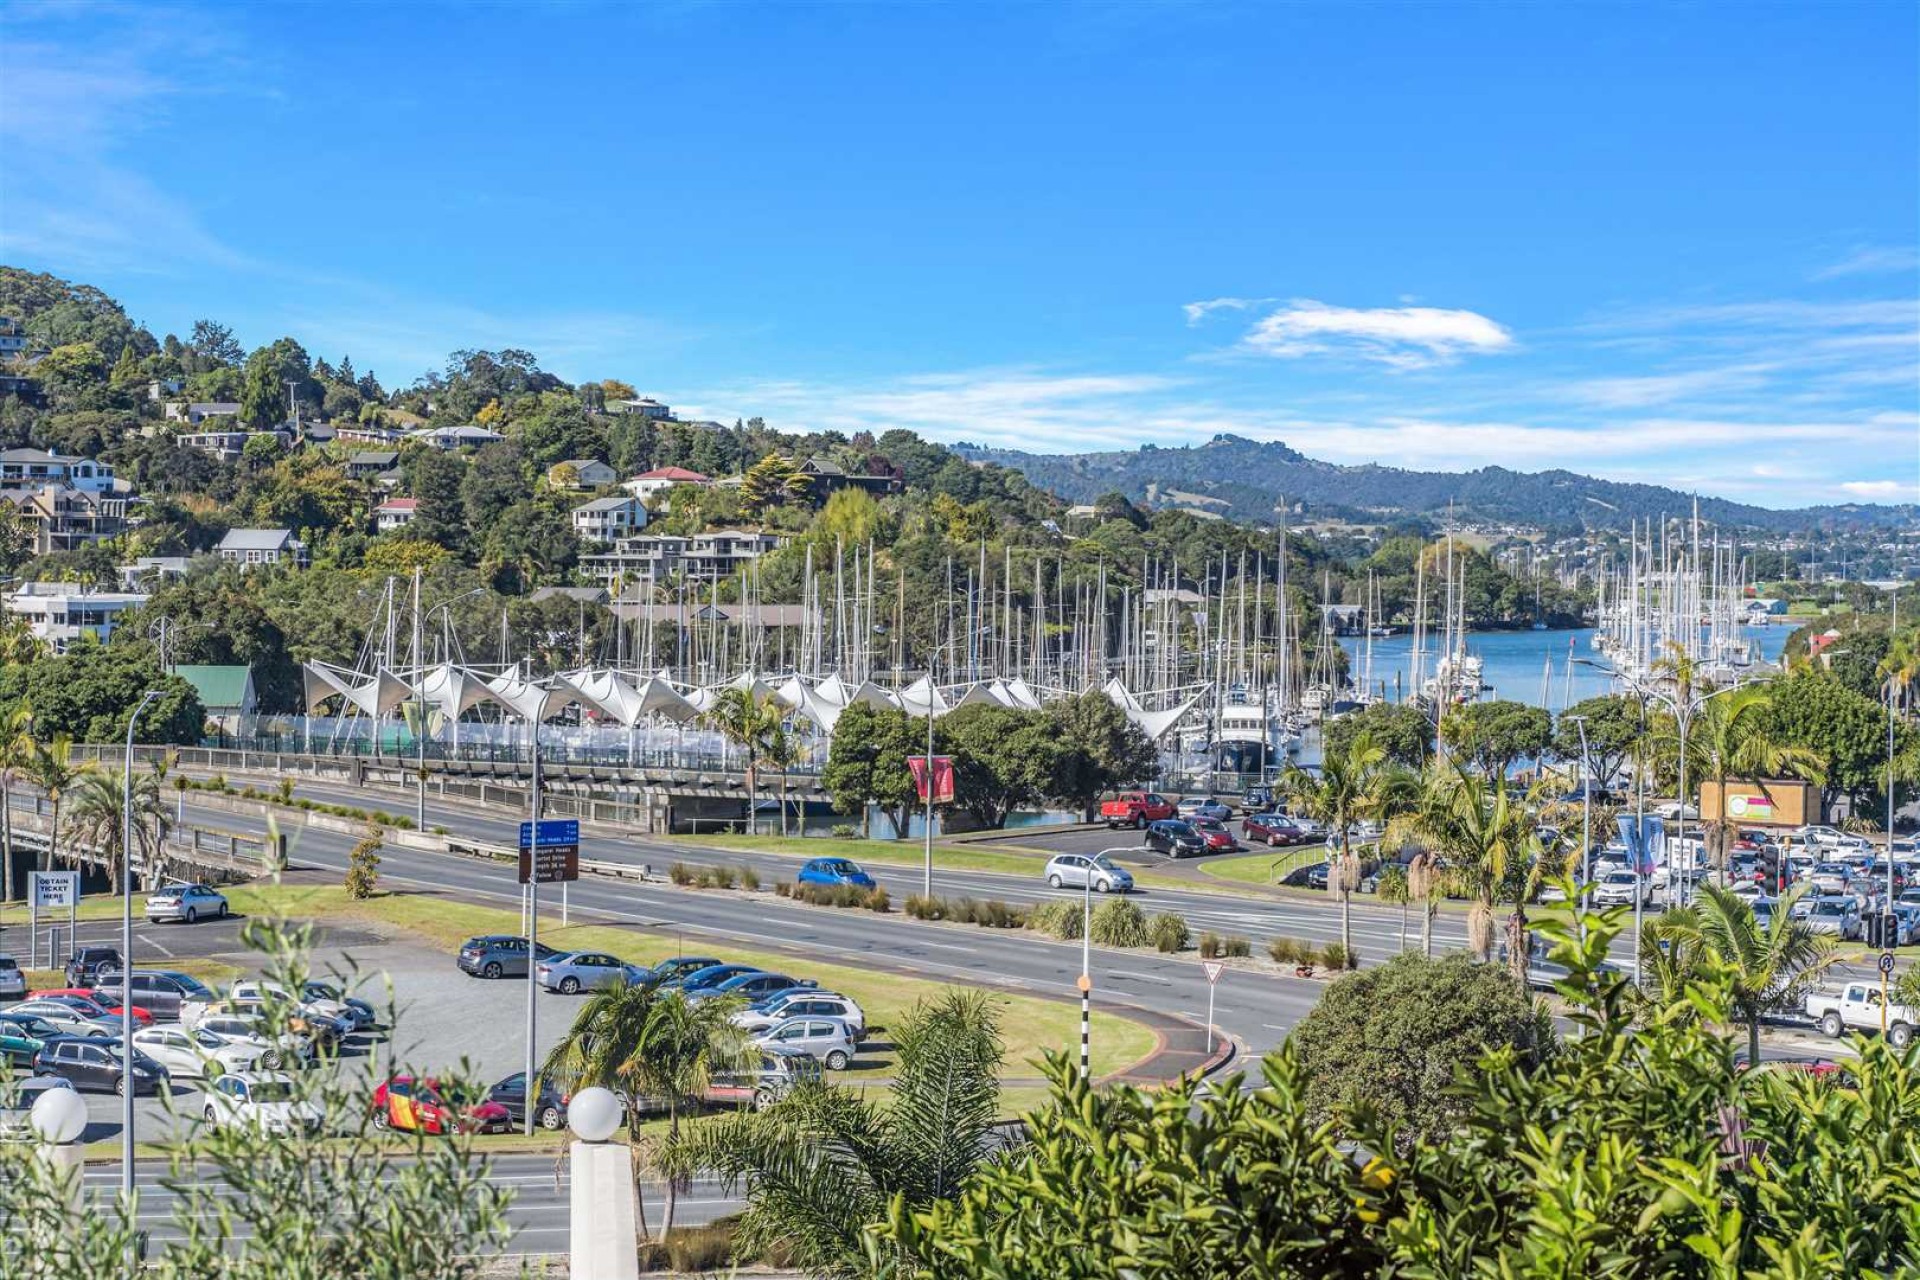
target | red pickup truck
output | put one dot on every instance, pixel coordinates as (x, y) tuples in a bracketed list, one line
[(1135, 809)]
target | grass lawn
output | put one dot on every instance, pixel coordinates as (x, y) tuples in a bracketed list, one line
[(886, 853), (1029, 1025), (1266, 867)]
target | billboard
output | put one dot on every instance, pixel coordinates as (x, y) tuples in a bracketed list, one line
[(1781, 803)]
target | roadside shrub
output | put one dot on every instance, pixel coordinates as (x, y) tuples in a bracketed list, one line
[(844, 831), (285, 790), (1210, 945), (783, 888), (1060, 918), (1168, 932), (1236, 946), (682, 874), (921, 907), (1285, 951), (1117, 922), (1336, 957), (749, 879), (878, 900), (995, 914), (363, 866)]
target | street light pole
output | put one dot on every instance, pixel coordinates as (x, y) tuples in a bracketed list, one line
[(926, 886), (127, 1089), (1586, 825)]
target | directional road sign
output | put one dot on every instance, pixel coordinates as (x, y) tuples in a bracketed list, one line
[(551, 853)]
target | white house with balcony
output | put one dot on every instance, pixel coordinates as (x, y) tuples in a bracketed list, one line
[(608, 519), (448, 439), (33, 468), (62, 612)]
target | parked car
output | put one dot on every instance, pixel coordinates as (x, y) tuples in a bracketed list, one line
[(274, 1053), (16, 1105), (1078, 870), (1619, 889), (21, 1035), (550, 1107), (164, 993), (425, 1105), (765, 1014), (1856, 1007), (86, 965), (102, 1003), (498, 956), (1674, 811), (1176, 839), (829, 1040), (13, 983), (195, 1053), (1216, 835), (668, 972), (1203, 807), (1830, 877), (777, 1073), (1257, 799), (1834, 916), (365, 1017), (712, 976), (186, 903), (268, 1103), (94, 1063), (66, 1019), (575, 971), (268, 1003), (834, 871), (1136, 809), (1274, 829), (751, 986)]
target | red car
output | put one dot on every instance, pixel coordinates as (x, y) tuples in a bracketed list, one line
[(1271, 829), (426, 1106), (1136, 809), (1215, 833), (91, 1004)]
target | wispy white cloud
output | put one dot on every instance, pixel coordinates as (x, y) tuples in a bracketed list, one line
[(1882, 490), (1199, 311), (1872, 260), (1641, 391), (1398, 337)]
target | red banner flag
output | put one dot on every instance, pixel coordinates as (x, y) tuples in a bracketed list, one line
[(942, 778)]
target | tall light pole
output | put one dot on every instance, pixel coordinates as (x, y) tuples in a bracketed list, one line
[(926, 885), (127, 1089)]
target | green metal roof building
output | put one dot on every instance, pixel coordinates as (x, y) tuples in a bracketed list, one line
[(224, 690)]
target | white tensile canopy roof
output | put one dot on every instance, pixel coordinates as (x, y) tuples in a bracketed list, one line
[(452, 690), (375, 695), (923, 697), (531, 700)]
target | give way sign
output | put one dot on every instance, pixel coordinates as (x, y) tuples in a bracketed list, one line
[(1214, 969)]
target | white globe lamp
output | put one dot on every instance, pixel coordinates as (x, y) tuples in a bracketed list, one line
[(58, 1117), (593, 1114)]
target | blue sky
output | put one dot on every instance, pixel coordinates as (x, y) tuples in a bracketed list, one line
[(1649, 242)]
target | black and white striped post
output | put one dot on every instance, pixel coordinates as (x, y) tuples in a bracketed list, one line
[(1086, 1024), (1086, 975)]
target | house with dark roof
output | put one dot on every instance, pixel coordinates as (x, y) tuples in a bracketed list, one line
[(581, 473), (250, 548), (826, 477), (371, 462), (605, 519)]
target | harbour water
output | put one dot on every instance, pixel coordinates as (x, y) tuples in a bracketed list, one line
[(1522, 666)]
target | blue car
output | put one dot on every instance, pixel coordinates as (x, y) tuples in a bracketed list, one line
[(668, 972), (711, 976), (751, 986), (835, 871)]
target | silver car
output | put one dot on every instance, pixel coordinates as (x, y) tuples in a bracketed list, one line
[(13, 983), (1203, 807), (826, 1040), (577, 971), (1077, 870), (186, 902)]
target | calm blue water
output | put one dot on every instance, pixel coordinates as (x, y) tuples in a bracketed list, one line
[(1517, 661)]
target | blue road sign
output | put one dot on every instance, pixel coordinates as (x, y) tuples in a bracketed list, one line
[(553, 831)]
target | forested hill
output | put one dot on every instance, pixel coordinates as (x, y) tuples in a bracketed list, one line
[(1243, 479)]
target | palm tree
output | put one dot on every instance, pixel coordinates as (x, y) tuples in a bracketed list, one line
[(1487, 838), (645, 1043), (783, 749), (824, 1162), (16, 752), (748, 722), (1729, 742), (95, 818), (1766, 967), (52, 768), (1353, 784)]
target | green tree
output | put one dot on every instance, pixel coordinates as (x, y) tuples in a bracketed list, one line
[(94, 821), (1495, 734), (1003, 759), (88, 692), (1097, 749), (769, 482), (867, 763), (437, 479), (749, 722), (1392, 1039), (1730, 742), (1848, 732), (1764, 968), (52, 768), (263, 390), (1352, 785), (1486, 837), (823, 1163), (1613, 725), (16, 758), (1401, 728), (363, 865)]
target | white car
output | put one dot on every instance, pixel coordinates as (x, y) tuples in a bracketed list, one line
[(1830, 877), (1616, 889), (195, 1053), (826, 1040), (186, 903), (1751, 890), (1077, 870), (1830, 838), (65, 1019), (13, 983), (1203, 807), (232, 1029), (760, 1019), (260, 992), (268, 1103), (1674, 811)]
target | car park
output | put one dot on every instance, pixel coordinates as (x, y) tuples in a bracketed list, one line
[(66, 1019), (1176, 839), (828, 1040), (426, 1105), (834, 871), (777, 1073), (97, 1064), (1215, 833), (498, 956), (87, 964), (669, 972), (1203, 807), (712, 976), (751, 986), (1079, 870), (185, 903), (195, 1053), (550, 1109), (13, 983), (22, 1035), (163, 993), (16, 1104), (766, 1014), (1273, 829), (238, 1029), (575, 971), (268, 1103), (101, 1003)]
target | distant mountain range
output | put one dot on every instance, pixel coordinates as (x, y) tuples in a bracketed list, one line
[(1245, 479)]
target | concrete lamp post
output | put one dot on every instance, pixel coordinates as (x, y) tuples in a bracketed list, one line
[(58, 1119), (604, 1232)]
